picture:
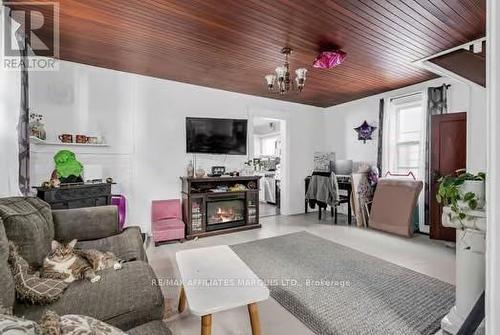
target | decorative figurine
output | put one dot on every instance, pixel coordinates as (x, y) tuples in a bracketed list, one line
[(200, 173), (37, 128), (68, 168), (55, 183), (190, 170)]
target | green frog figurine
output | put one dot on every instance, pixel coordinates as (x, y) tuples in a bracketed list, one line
[(68, 168)]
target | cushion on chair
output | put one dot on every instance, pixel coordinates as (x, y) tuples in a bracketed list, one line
[(28, 223), (7, 291), (168, 229), (123, 298), (127, 245), (168, 223), (393, 205), (165, 209)]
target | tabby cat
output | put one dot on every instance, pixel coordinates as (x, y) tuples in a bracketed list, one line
[(69, 264)]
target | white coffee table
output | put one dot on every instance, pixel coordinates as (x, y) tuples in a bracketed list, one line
[(215, 279)]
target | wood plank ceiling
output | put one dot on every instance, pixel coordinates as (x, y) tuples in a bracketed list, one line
[(232, 44)]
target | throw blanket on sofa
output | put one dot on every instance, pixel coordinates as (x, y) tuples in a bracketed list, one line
[(323, 189)]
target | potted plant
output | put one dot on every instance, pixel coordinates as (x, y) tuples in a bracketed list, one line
[(462, 192)]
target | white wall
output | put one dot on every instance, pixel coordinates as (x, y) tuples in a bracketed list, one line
[(476, 130), (143, 120), (341, 119), (10, 91)]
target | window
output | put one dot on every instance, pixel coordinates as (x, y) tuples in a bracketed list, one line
[(405, 136), (404, 141), (408, 135), (267, 145)]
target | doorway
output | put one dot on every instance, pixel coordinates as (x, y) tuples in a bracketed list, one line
[(448, 154), (267, 161)]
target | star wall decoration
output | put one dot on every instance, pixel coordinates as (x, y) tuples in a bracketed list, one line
[(365, 131)]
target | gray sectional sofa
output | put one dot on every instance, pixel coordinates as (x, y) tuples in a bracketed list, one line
[(127, 299)]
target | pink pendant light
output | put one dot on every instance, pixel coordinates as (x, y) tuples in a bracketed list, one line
[(329, 59)]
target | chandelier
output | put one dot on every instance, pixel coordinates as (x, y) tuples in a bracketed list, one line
[(281, 82)]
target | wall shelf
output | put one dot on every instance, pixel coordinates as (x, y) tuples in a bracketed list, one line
[(37, 141)]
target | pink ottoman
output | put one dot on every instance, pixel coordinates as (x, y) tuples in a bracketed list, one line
[(166, 221)]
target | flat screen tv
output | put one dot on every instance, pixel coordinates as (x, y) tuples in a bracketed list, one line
[(216, 136)]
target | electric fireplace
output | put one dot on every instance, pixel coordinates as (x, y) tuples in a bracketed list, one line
[(223, 214), (217, 205)]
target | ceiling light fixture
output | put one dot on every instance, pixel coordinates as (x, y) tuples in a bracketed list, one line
[(329, 59), (281, 82)]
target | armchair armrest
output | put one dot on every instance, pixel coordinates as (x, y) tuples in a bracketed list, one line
[(85, 223)]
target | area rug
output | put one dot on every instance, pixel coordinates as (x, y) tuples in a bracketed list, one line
[(334, 289)]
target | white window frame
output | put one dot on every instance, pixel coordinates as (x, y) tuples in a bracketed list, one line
[(400, 143)]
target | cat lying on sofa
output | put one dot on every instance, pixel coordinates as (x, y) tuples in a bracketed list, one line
[(66, 263)]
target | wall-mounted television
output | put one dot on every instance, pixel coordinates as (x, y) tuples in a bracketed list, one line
[(216, 136)]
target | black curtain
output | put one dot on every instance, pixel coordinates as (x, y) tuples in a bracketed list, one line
[(437, 103), (23, 124)]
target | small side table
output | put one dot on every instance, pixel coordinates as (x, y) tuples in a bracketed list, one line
[(215, 279)]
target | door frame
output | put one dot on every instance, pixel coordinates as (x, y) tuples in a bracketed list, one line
[(493, 161), (285, 199)]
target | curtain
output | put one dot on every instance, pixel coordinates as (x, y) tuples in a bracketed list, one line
[(23, 124), (380, 136), (437, 103)]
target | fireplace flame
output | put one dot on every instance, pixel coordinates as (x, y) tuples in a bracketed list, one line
[(225, 215)]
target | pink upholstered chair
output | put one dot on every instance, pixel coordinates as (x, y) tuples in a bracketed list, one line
[(166, 221)]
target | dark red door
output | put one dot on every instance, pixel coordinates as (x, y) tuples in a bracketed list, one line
[(448, 154)]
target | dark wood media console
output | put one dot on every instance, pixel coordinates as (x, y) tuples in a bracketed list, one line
[(206, 210), (76, 195)]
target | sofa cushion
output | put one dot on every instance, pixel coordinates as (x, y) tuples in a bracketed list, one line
[(157, 327), (12, 325), (85, 224), (7, 293), (124, 298), (127, 245), (72, 324), (28, 223)]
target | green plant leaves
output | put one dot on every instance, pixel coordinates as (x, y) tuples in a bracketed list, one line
[(469, 196), (448, 193)]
